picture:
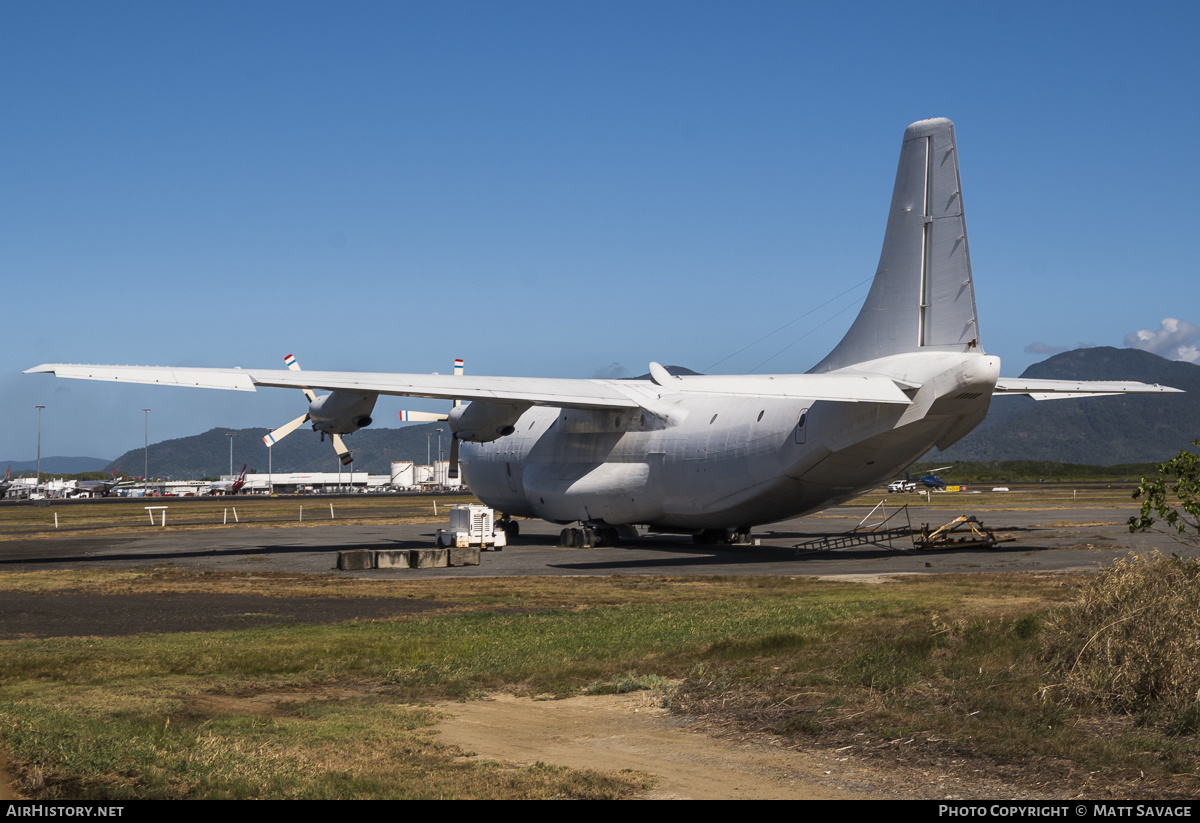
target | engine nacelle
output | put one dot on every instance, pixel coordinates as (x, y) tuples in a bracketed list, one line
[(483, 422), (341, 412)]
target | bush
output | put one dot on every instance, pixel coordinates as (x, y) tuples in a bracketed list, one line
[(1174, 496), (1131, 641)]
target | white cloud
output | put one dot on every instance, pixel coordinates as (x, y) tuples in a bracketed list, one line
[(1174, 340)]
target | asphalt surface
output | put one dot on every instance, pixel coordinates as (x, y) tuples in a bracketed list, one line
[(1082, 539), (1071, 539)]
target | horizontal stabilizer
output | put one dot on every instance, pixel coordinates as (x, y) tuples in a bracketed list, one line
[(1066, 389)]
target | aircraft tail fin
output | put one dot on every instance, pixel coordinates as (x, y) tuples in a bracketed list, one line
[(923, 297)]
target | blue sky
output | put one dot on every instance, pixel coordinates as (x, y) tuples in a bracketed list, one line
[(560, 189)]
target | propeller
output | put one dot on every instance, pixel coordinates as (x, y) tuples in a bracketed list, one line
[(434, 417), (329, 413)]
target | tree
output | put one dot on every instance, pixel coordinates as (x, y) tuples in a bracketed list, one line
[(1173, 497)]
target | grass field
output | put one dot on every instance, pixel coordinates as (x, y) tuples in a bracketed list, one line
[(946, 670), (23, 521), (951, 666)]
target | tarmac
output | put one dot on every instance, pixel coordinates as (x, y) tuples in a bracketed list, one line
[(1042, 541)]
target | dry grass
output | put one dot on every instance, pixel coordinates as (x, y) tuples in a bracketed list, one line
[(937, 670), (1131, 641), (22, 521)]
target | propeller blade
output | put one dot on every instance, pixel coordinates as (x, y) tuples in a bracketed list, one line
[(422, 417), (452, 473), (273, 437), (458, 372), (339, 446), (290, 360)]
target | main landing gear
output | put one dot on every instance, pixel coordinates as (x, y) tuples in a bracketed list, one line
[(714, 537), (510, 527), (589, 537)]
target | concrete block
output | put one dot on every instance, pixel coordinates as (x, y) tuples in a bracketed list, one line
[(356, 560), (392, 559), (464, 557), (428, 558)]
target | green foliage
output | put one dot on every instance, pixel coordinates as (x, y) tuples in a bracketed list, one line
[(630, 682), (1174, 496), (1131, 641)]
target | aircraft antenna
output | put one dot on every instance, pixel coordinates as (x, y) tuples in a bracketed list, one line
[(806, 334), (790, 322)]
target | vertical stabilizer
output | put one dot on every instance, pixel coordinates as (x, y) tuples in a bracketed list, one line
[(922, 298)]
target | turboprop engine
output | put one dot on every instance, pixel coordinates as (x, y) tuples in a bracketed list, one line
[(335, 414), (483, 422), (341, 412)]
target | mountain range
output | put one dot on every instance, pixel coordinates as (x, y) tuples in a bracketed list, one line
[(1099, 431)]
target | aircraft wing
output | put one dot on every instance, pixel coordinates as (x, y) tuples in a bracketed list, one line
[(538, 391), (1064, 389), (543, 391)]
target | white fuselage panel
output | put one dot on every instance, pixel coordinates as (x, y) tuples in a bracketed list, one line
[(714, 461)]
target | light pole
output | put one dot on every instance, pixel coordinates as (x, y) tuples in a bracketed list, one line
[(146, 453), (439, 431), (231, 435), (38, 480), (428, 458)]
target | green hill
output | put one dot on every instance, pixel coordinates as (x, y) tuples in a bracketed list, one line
[(207, 454)]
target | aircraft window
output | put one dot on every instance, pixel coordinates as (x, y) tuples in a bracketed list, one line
[(714, 420), (801, 423), (760, 414)]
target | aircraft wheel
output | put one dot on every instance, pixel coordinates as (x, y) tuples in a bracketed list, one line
[(564, 538), (607, 537)]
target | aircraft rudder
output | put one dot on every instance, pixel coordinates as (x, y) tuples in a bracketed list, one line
[(922, 297)]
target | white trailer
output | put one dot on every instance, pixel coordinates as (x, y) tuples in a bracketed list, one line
[(471, 525)]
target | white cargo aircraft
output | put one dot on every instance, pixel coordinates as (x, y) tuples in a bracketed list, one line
[(714, 456)]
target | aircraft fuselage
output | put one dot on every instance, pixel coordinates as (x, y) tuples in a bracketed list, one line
[(711, 461)]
